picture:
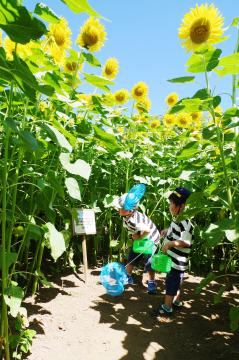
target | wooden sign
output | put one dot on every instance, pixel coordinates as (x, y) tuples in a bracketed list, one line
[(84, 222)]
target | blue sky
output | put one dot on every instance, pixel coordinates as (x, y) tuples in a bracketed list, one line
[(142, 35)]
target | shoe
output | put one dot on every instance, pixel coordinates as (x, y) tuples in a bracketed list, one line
[(177, 305), (162, 312), (152, 288), (130, 280)]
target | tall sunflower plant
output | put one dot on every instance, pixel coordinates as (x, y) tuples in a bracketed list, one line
[(200, 30)]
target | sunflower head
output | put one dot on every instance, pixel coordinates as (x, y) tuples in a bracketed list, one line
[(196, 116), (155, 124), (140, 91), (121, 96), (169, 120), (108, 99), (72, 66), (143, 105), (203, 24), (60, 34), (184, 120), (172, 99), (92, 35), (111, 68)]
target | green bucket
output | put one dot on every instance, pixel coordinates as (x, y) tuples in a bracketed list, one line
[(143, 246), (161, 262)]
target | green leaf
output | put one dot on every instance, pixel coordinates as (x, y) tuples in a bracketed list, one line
[(10, 258), (201, 94), (235, 22), (54, 180), (29, 140), (52, 79), (204, 282), (206, 61), (91, 59), (62, 141), (79, 6), (218, 296), (72, 139), (187, 153), (46, 13), (191, 105), (106, 140), (79, 167), (13, 296), (182, 79), (56, 239), (18, 23), (229, 65), (98, 81), (73, 188), (234, 317), (185, 175), (231, 112)]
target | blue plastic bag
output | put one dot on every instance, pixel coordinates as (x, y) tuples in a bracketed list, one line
[(134, 195), (113, 277)]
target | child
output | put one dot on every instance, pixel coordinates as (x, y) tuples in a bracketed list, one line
[(177, 244), (139, 226)]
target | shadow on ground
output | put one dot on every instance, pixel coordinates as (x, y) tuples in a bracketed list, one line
[(200, 331)]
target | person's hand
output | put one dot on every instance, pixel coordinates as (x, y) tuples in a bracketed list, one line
[(163, 233), (135, 236), (166, 247)]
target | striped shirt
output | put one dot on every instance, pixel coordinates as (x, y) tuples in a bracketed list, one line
[(139, 222), (180, 231)]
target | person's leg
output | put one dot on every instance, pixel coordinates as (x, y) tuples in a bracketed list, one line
[(133, 259), (152, 288)]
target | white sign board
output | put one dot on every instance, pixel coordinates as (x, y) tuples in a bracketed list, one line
[(84, 222)]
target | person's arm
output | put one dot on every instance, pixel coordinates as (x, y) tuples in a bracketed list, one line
[(174, 243), (140, 236)]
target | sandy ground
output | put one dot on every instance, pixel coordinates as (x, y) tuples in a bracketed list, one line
[(76, 321)]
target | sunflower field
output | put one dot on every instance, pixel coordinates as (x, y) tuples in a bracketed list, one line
[(62, 148)]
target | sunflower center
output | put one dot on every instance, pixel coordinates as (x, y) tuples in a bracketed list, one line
[(71, 66), (120, 97), (200, 31), (59, 38), (90, 37), (109, 70), (139, 91)]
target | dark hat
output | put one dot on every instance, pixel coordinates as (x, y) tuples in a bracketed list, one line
[(181, 194)]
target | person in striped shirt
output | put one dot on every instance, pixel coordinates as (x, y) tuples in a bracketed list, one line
[(177, 244), (139, 226)]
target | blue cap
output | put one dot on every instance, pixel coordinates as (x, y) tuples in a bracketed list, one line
[(182, 194)]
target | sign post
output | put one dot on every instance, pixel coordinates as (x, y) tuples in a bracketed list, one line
[(84, 224)]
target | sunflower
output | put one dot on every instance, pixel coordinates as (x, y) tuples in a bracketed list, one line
[(121, 96), (85, 99), (140, 91), (143, 105), (172, 99), (184, 120), (155, 124), (72, 66), (92, 35), (203, 24), (196, 116), (59, 34), (111, 68), (108, 99), (169, 120)]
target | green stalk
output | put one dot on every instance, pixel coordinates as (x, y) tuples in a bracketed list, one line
[(220, 146), (38, 267), (4, 317), (234, 77)]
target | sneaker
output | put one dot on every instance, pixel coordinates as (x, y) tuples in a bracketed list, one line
[(177, 305), (152, 288), (162, 312), (130, 280)]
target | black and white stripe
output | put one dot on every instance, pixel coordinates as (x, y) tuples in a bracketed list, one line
[(140, 222), (180, 231)]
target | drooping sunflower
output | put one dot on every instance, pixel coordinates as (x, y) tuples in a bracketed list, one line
[(184, 120), (72, 66), (172, 99), (143, 105), (121, 96), (140, 91), (24, 51), (92, 35), (111, 68), (203, 24), (169, 119), (85, 99)]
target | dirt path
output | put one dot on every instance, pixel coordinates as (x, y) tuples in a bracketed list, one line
[(76, 321)]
